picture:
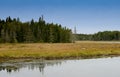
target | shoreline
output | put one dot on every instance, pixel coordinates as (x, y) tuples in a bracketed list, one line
[(46, 51), (14, 60)]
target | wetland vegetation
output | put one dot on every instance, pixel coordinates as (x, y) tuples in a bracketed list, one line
[(48, 51)]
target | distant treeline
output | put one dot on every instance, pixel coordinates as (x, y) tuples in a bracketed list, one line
[(15, 31), (100, 36)]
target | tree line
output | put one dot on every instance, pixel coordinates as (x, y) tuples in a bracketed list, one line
[(15, 31), (100, 36)]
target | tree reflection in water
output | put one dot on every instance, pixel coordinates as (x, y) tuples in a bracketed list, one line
[(8, 68), (16, 66)]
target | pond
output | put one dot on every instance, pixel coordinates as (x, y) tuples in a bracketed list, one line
[(102, 67)]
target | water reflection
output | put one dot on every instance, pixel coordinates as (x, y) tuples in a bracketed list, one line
[(34, 64), (103, 67), (8, 68)]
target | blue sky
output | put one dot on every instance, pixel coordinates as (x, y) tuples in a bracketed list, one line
[(89, 16)]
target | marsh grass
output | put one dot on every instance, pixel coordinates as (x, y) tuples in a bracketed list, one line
[(59, 50)]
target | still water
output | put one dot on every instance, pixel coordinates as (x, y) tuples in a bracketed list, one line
[(103, 67)]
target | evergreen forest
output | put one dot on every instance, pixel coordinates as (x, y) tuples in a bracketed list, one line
[(100, 36), (15, 31)]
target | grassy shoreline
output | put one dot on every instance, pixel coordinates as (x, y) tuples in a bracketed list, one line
[(59, 50)]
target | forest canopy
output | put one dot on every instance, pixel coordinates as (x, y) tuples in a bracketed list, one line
[(100, 36), (15, 31)]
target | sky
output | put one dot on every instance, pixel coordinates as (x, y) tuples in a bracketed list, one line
[(88, 16)]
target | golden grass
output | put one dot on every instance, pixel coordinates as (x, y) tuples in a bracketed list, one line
[(59, 50)]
